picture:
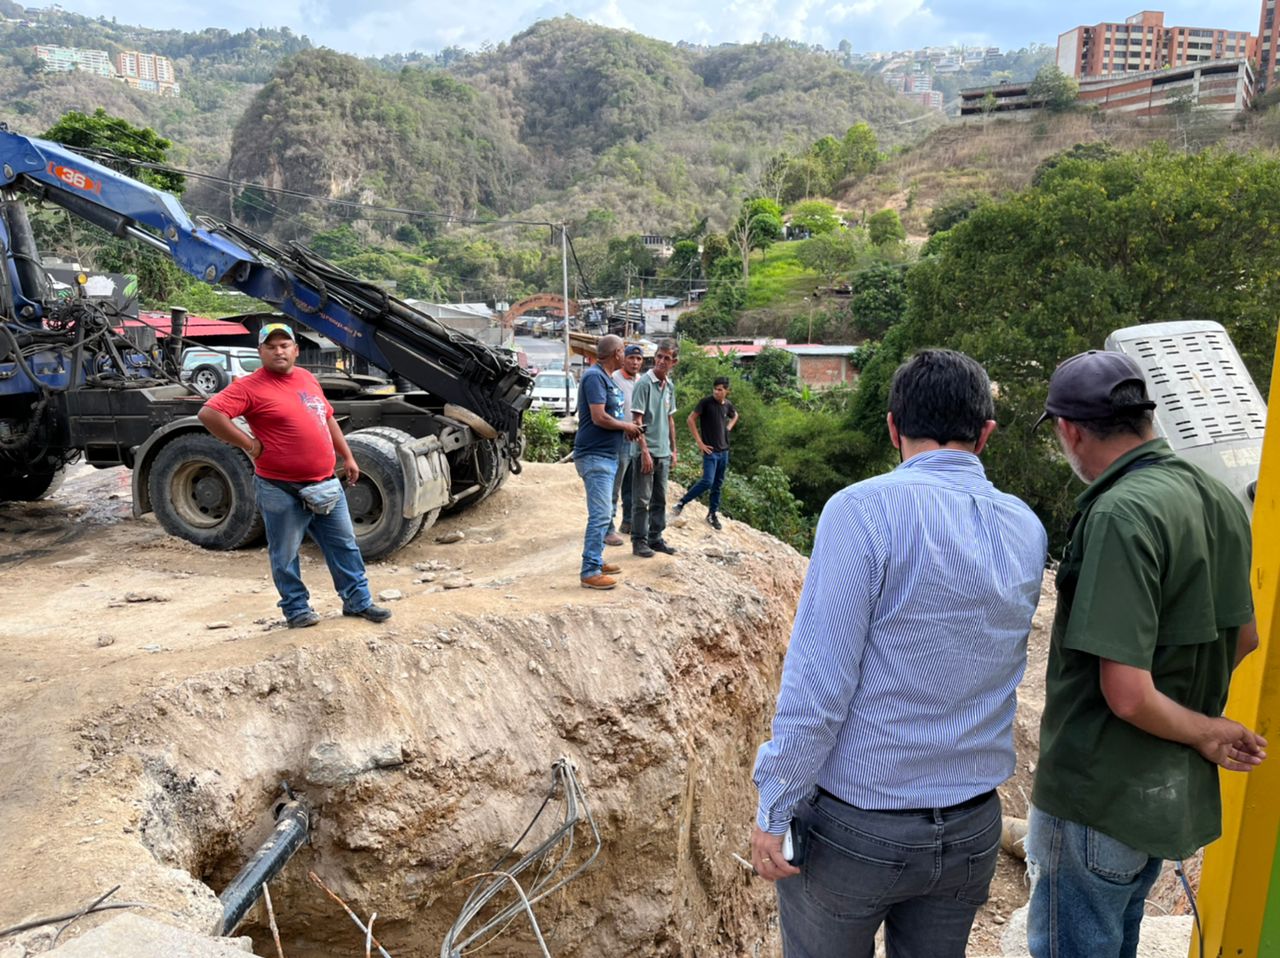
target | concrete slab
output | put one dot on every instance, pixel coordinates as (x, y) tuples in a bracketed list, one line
[(133, 936), (1161, 936)]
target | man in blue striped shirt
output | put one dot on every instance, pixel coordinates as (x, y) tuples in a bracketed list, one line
[(894, 723)]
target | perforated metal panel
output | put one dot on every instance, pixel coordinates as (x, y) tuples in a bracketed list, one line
[(1207, 405)]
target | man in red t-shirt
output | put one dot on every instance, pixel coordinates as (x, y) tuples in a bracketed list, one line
[(292, 447)]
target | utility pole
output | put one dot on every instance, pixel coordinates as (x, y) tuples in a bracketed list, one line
[(564, 263)]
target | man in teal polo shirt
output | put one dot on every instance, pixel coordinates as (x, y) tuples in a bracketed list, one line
[(1154, 612), (653, 405)]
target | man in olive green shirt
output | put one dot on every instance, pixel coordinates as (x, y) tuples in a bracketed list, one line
[(1154, 612)]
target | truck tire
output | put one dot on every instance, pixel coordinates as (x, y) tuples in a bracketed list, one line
[(202, 491), (31, 487), (397, 437), (376, 502), (210, 379)]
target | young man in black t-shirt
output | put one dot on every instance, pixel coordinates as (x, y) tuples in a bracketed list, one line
[(711, 422)]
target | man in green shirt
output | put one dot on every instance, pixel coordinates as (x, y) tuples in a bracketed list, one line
[(1154, 612), (653, 405)]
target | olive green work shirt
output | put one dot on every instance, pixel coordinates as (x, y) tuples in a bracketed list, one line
[(657, 402), (1156, 576)]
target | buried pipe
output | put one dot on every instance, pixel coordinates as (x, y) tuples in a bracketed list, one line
[(293, 821)]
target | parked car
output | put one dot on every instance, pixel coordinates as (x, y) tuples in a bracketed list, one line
[(212, 368), (549, 392)]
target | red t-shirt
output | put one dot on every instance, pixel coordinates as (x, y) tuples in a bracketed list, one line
[(290, 416)]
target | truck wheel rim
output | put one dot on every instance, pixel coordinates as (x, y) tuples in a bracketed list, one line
[(201, 495)]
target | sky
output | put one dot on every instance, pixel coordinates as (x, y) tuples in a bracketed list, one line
[(376, 27)]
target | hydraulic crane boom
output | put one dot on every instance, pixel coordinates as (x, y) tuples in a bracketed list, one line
[(71, 385)]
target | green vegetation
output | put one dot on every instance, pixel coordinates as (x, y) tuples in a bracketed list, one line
[(542, 439)]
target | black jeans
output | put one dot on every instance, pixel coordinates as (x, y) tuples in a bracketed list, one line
[(921, 874), (649, 500)]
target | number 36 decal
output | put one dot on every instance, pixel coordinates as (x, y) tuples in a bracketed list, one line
[(75, 178)]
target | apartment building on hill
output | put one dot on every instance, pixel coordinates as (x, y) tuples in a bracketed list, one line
[(1143, 43)]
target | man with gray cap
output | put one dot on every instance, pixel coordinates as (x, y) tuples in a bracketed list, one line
[(293, 447), (602, 425), (1154, 612)]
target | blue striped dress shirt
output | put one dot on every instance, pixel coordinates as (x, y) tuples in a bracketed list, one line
[(900, 682)]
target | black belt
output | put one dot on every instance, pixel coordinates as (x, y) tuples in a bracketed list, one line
[(959, 807)]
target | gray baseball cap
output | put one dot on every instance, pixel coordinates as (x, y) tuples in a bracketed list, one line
[(1081, 387)]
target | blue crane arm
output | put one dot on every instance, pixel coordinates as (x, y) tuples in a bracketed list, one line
[(358, 316)]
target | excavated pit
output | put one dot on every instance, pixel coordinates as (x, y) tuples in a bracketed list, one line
[(424, 753)]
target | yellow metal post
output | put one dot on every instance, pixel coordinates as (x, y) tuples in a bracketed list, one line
[(1237, 892)]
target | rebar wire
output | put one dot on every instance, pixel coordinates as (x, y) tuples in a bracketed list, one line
[(271, 920), (368, 936), (84, 911), (524, 899), (359, 924), (576, 810)]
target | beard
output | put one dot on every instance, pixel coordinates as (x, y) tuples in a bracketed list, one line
[(1074, 462)]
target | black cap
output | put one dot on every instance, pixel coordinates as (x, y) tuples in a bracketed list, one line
[(1081, 387)]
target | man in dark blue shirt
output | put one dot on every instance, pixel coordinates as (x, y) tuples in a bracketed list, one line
[(602, 424)]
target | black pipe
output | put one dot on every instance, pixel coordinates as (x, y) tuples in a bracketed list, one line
[(293, 820), (26, 256)]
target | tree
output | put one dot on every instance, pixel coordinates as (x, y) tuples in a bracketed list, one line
[(879, 299), (123, 140), (1057, 90), (714, 247), (886, 227), (773, 374), (759, 226), (814, 217), (1098, 245), (953, 209), (831, 254), (859, 150), (988, 104)]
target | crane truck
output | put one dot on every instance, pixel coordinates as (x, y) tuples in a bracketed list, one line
[(72, 386)]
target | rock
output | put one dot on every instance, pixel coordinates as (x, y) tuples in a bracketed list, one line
[(151, 648), (423, 579), (457, 535), (105, 639), (457, 583), (390, 595), (332, 764), (133, 936), (145, 597), (218, 625)]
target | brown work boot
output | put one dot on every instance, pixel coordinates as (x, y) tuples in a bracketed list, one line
[(599, 581), (610, 568)]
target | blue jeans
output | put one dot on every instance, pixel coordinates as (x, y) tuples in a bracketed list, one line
[(922, 874), (649, 500), (714, 466), (1087, 890), (597, 474), (287, 520), (622, 484)]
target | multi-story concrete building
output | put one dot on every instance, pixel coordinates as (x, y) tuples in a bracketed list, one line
[(1268, 45), (66, 59), (1220, 86), (147, 71), (1142, 42)]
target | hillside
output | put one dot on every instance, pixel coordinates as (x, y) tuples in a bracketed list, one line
[(219, 71), (565, 119)]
